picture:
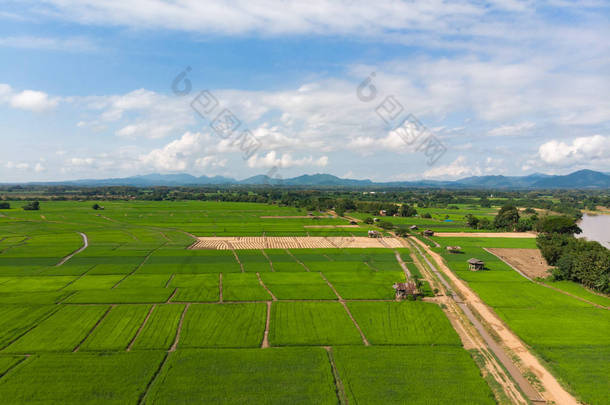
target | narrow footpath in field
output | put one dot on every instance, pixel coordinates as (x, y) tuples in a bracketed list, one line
[(77, 251), (552, 390)]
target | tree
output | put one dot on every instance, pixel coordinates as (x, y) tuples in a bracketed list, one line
[(471, 221), (426, 215), (386, 224), (96, 206), (558, 224), (368, 220), (407, 211), (32, 206), (507, 217), (402, 231), (5, 205), (484, 202)]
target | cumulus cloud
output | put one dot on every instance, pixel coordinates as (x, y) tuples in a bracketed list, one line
[(32, 100), (273, 159), (48, 43), (582, 150)]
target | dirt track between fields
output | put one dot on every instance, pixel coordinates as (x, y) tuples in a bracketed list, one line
[(527, 261), (553, 391), (485, 234), (77, 251)]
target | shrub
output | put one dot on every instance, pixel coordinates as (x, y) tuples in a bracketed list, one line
[(32, 206)]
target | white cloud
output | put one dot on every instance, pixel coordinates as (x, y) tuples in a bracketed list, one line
[(458, 168), (38, 168), (272, 159), (176, 156), (211, 162), (511, 130), (47, 43), (583, 150), (81, 161), (32, 100)]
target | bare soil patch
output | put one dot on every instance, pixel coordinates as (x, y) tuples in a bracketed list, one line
[(293, 242), (527, 261)]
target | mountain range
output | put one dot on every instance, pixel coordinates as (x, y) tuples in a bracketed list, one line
[(582, 179)]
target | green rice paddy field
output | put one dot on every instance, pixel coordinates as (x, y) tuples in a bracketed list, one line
[(136, 317), (571, 336)]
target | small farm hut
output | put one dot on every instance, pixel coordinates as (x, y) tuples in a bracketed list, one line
[(403, 290), (428, 232), (374, 234), (413, 227), (454, 249), (383, 213), (476, 264), (353, 223)]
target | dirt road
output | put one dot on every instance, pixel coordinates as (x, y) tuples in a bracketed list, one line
[(85, 245), (553, 391)]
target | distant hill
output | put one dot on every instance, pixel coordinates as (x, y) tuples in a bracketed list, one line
[(582, 179)]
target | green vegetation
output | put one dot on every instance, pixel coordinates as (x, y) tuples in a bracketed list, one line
[(79, 378), (117, 329), (160, 330), (230, 325), (246, 376), (404, 323), (413, 375), (311, 323)]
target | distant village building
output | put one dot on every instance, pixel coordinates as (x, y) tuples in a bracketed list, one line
[(403, 290), (383, 213), (454, 249), (374, 234), (375, 219), (413, 227), (428, 232), (476, 264)]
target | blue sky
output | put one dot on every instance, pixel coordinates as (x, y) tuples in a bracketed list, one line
[(506, 87)]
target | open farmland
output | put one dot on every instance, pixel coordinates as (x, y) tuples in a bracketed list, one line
[(266, 324), (564, 325)]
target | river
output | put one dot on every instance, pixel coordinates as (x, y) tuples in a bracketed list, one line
[(596, 227)]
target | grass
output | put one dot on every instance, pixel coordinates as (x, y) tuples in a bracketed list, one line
[(404, 323), (79, 378), (411, 375), (15, 320), (365, 284), (228, 325), (311, 323), (243, 287), (53, 334), (580, 291), (298, 286), (117, 329), (160, 329), (121, 296), (246, 376), (195, 287)]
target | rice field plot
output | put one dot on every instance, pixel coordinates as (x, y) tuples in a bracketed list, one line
[(411, 375), (81, 378), (579, 291), (145, 281), (111, 268), (17, 319), (195, 287), (312, 259), (298, 286), (182, 261), (117, 328), (34, 298), (253, 261), (243, 287), (283, 262), (246, 376), (121, 296), (311, 323), (586, 369), (365, 284), (404, 323), (523, 295), (160, 330), (88, 282), (7, 362), (63, 331), (67, 269), (27, 284), (223, 325)]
